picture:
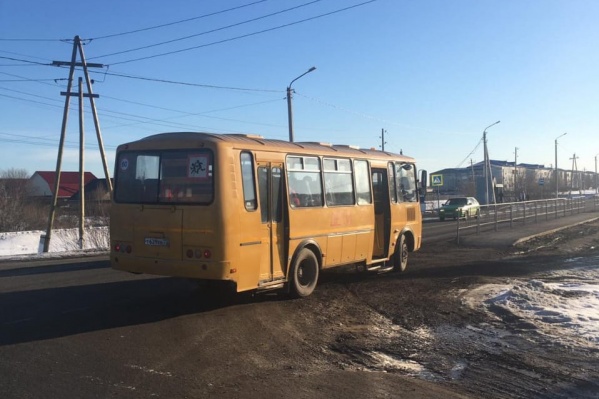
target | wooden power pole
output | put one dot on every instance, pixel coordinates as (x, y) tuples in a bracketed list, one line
[(77, 48)]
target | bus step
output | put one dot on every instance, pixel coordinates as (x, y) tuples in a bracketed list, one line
[(271, 285), (380, 267)]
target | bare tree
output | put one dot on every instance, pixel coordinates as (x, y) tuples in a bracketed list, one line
[(13, 194)]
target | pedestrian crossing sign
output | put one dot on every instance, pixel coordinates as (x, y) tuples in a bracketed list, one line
[(436, 180)]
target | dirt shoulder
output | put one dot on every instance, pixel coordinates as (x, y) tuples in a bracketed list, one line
[(427, 323)]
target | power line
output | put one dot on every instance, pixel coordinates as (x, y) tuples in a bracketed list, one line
[(30, 94), (209, 31), (246, 35), (25, 61), (178, 22), (471, 152), (28, 80), (24, 55), (142, 119), (25, 79), (21, 79), (30, 40), (189, 113), (23, 139), (122, 75)]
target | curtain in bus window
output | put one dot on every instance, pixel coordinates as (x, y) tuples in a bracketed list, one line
[(406, 182)]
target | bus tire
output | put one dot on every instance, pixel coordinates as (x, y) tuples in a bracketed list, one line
[(400, 257), (304, 274)]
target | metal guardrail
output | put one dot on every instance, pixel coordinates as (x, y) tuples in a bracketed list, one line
[(496, 215)]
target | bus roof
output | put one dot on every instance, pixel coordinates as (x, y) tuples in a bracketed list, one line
[(257, 142)]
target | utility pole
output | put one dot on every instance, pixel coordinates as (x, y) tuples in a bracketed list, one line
[(77, 48), (515, 171), (81, 166), (556, 170), (488, 174), (289, 106), (574, 173), (596, 187), (382, 137)]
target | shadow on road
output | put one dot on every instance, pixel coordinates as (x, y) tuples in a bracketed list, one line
[(46, 269), (58, 312)]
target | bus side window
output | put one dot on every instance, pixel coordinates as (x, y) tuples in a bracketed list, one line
[(263, 192), (362, 177), (304, 181), (339, 189), (248, 181), (392, 189)]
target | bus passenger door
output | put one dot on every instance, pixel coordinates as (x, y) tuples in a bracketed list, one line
[(382, 213), (270, 186)]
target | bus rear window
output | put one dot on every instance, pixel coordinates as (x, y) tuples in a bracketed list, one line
[(164, 177)]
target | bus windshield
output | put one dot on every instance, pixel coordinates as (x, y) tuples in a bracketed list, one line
[(152, 177)]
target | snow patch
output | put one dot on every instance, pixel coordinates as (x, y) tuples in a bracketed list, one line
[(562, 305), (63, 240)]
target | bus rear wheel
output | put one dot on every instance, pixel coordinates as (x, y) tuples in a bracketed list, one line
[(400, 257), (304, 274)]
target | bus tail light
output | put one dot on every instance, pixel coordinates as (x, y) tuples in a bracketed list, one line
[(198, 253), (119, 247)]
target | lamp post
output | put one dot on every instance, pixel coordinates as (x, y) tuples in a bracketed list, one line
[(556, 172), (487, 164), (596, 188), (289, 110)]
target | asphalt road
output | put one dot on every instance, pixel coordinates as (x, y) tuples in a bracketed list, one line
[(78, 329), (82, 330)]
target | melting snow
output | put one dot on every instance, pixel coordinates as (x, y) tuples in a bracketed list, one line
[(17, 244), (562, 305)]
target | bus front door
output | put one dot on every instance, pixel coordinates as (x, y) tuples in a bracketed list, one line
[(382, 213), (270, 186)]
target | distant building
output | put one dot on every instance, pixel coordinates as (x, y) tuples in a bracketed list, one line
[(510, 182), (42, 183), (95, 190)]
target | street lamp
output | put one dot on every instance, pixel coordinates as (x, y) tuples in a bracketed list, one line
[(487, 164), (556, 172), (596, 187), (289, 110)]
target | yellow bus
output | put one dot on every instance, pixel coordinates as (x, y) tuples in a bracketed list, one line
[(260, 214)]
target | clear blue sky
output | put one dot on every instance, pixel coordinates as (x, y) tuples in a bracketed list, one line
[(432, 73)]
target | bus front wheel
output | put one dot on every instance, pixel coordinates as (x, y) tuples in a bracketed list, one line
[(400, 258), (304, 274)]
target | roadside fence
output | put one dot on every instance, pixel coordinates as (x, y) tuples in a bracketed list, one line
[(495, 216)]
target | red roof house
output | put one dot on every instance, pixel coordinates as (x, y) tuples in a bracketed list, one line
[(41, 184)]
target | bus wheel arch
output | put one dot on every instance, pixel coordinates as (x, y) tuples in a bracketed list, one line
[(304, 270)]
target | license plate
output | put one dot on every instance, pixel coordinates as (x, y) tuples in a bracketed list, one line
[(156, 242)]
